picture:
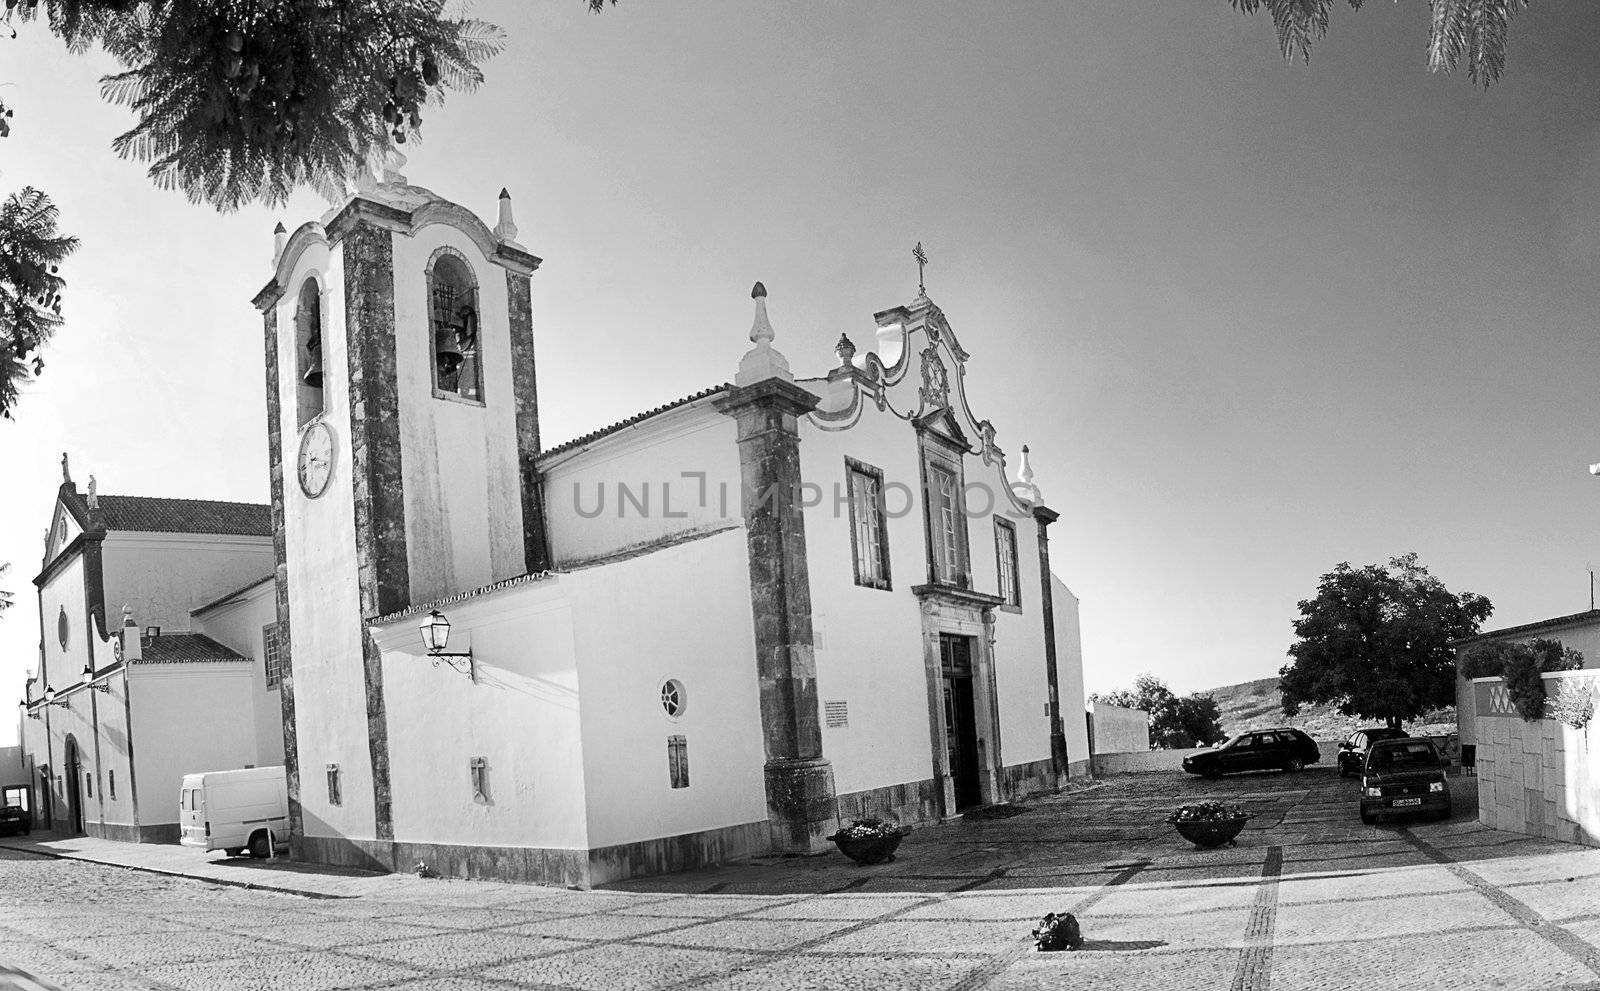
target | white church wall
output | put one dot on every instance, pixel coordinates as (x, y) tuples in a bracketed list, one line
[(331, 711), (680, 613), (1021, 673), (870, 647), (63, 595), (107, 751), (521, 717), (162, 576), (463, 501), (238, 625), (186, 720), (1069, 675), (637, 486)]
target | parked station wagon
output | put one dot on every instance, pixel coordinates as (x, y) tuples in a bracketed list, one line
[(1282, 748)]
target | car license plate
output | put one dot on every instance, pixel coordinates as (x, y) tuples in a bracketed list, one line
[(1407, 801)]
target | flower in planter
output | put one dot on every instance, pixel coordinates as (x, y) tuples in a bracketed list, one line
[(868, 828), (1207, 812)]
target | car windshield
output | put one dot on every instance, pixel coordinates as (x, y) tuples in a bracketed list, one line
[(1403, 757), (1238, 740)]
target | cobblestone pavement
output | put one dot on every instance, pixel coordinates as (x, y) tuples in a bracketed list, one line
[(1309, 898)]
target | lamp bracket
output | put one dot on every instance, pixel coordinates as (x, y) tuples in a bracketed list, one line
[(461, 660)]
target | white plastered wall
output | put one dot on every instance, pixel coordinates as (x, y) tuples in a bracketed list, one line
[(186, 720), (163, 576), (463, 501), (1069, 672), (324, 599), (239, 625)]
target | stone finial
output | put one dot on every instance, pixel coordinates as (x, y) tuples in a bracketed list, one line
[(280, 241), (506, 229), (94, 500), (762, 361), (127, 615), (846, 350), (66, 471), (1024, 487)]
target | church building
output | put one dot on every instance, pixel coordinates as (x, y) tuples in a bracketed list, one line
[(156, 658), (712, 630)]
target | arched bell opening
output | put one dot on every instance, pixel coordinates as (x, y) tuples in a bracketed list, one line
[(454, 323), (309, 351)]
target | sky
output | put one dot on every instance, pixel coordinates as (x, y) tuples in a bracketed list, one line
[(1252, 318)]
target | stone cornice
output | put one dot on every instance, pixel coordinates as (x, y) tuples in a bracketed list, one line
[(1045, 515), (774, 393), (956, 594)]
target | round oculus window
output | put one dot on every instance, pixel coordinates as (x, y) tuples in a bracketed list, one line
[(673, 698), (63, 628)]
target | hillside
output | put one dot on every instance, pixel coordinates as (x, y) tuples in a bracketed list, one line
[(1256, 704)]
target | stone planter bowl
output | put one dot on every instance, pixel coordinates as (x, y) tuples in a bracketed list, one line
[(1210, 833), (868, 849)]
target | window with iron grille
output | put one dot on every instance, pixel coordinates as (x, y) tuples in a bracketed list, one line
[(454, 322), (1005, 552), (678, 760), (272, 654), (335, 793), (869, 533)]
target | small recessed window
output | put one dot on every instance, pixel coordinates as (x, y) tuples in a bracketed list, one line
[(335, 792), (272, 652), (479, 770), (673, 698), (88, 784), (111, 782), (678, 761)]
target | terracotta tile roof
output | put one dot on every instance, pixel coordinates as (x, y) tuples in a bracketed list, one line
[(184, 648), (159, 515), (630, 421)]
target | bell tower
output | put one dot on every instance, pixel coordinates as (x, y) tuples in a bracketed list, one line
[(403, 423)]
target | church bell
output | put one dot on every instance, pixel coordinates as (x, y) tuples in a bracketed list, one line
[(447, 348), (313, 375)]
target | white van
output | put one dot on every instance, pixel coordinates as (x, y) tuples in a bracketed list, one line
[(236, 811)]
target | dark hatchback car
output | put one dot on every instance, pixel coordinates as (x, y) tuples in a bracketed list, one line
[(15, 819), (1280, 748), (1404, 776), (1353, 751)]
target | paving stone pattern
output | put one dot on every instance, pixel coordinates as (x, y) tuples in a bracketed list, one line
[(1309, 898)]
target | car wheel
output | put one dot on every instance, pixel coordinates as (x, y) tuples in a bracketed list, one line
[(260, 848), (1294, 764)]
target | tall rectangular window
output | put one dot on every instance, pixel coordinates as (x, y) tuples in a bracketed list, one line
[(869, 534), (111, 782), (1005, 552), (335, 792), (272, 654), (947, 528)]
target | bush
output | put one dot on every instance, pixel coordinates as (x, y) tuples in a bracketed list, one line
[(1521, 665)]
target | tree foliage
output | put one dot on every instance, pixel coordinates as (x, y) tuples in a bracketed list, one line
[(1474, 32), (7, 599), (31, 250), (1521, 665), (1175, 723), (1376, 642)]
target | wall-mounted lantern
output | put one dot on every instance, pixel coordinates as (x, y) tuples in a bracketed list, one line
[(32, 713), (52, 697), (88, 679), (435, 630)]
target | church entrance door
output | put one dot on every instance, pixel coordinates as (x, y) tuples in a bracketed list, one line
[(74, 773), (960, 720)]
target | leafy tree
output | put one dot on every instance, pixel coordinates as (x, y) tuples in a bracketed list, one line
[(1477, 32), (31, 250), (1521, 665), (7, 599), (1175, 722), (1375, 642), (239, 101)]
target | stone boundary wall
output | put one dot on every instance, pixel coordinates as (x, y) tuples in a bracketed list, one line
[(1540, 778), (1143, 763)]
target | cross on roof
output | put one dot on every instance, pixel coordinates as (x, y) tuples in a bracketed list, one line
[(922, 260)]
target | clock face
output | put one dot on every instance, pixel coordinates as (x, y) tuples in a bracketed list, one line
[(316, 459)]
